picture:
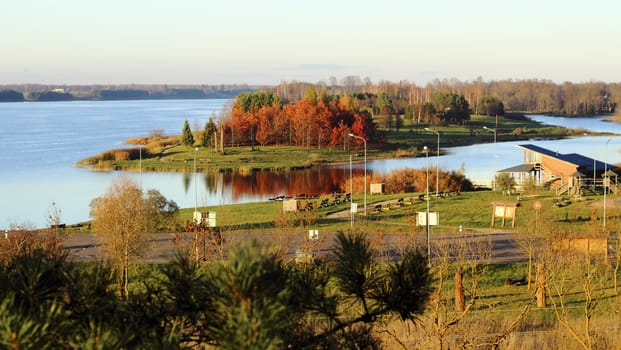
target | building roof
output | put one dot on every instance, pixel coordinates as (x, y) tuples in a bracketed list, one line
[(522, 168), (584, 163)]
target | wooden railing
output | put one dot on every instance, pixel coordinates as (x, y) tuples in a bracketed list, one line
[(614, 188), (563, 188)]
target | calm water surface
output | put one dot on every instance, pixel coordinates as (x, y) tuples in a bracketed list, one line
[(42, 141)]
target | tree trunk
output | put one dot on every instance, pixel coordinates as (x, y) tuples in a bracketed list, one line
[(540, 285), (460, 301), (222, 140), (124, 277), (614, 276), (530, 266), (251, 139)]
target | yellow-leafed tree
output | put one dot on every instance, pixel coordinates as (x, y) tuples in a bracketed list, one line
[(121, 221)]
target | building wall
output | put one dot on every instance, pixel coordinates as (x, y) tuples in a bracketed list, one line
[(558, 168)]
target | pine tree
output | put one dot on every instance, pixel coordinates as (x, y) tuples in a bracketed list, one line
[(187, 139), (208, 133)]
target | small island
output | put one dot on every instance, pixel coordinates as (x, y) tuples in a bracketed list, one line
[(262, 133)]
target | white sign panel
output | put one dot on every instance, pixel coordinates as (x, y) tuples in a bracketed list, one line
[(421, 218), (205, 217), (313, 235), (354, 207), (211, 219)]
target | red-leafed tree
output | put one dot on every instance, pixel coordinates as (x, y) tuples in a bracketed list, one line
[(305, 123), (240, 125), (282, 128), (339, 133), (266, 134), (248, 104), (302, 122), (363, 126), (322, 124)]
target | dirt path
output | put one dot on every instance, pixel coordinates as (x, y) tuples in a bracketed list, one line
[(163, 246)]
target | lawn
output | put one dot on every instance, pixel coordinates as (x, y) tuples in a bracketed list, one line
[(469, 209)]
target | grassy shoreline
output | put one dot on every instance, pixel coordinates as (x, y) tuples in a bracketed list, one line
[(165, 154)]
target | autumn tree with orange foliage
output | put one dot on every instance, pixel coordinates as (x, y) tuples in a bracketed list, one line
[(413, 180), (309, 122)]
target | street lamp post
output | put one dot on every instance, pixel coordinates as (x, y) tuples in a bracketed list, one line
[(437, 160), (494, 174), (140, 165), (196, 216), (365, 170), (605, 178), (351, 186), (427, 198), (195, 190)]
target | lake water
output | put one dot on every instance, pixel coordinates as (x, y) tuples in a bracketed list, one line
[(41, 141)]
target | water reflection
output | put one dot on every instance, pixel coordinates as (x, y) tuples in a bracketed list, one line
[(232, 187)]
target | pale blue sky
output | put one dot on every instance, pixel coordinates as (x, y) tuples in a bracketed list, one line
[(267, 41)]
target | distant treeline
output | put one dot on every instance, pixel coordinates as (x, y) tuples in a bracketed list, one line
[(381, 98), (29, 92), (516, 96)]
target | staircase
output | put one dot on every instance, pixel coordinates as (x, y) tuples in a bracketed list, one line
[(613, 187), (562, 189)]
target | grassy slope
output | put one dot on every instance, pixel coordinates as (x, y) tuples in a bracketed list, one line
[(470, 209)]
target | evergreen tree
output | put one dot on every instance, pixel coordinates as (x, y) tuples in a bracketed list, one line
[(187, 139), (451, 108), (208, 133), (492, 106), (259, 301), (384, 104)]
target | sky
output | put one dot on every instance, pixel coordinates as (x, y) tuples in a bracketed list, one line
[(264, 42)]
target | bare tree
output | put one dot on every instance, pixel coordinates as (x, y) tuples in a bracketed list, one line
[(54, 219), (571, 271), (121, 220), (568, 269), (531, 239), (617, 252), (467, 254), (23, 238)]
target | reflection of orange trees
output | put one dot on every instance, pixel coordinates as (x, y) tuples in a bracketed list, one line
[(321, 181), (357, 183), (315, 181)]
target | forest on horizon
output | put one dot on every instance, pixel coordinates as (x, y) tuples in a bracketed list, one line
[(516, 96), (522, 96), (45, 92)]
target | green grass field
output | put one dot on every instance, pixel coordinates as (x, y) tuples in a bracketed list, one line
[(469, 209)]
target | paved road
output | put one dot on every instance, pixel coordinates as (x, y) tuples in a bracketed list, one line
[(162, 246)]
